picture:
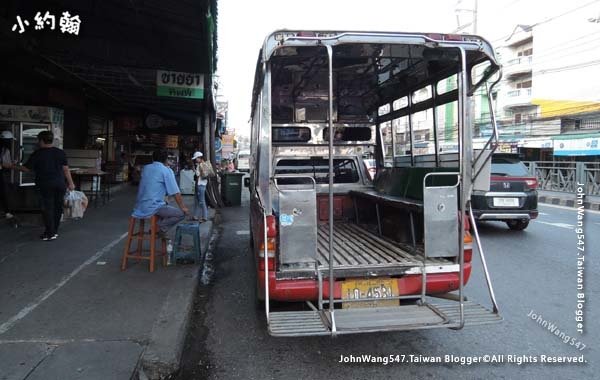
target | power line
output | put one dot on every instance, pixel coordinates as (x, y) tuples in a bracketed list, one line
[(545, 53), (561, 45), (569, 67), (587, 50), (547, 20), (583, 48), (510, 4)]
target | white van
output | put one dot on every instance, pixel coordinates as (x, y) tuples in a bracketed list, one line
[(243, 161)]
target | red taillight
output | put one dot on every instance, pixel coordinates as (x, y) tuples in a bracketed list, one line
[(466, 222), (445, 37), (271, 247), (468, 246), (271, 244), (531, 183), (453, 37), (467, 239), (271, 226), (306, 34), (261, 264)]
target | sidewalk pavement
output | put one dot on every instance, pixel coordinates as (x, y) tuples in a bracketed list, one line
[(68, 312), (591, 202)]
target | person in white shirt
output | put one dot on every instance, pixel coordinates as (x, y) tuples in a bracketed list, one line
[(202, 170)]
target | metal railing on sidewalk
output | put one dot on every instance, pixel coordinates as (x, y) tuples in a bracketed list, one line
[(566, 176)]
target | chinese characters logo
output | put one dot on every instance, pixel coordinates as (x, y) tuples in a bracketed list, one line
[(67, 23)]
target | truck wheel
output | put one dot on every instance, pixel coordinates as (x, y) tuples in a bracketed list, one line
[(517, 225)]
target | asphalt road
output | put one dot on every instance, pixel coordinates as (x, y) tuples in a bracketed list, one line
[(534, 271)]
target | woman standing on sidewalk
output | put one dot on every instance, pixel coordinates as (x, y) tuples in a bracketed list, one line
[(52, 177), (202, 170)]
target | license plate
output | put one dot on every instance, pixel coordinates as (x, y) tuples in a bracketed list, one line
[(506, 202), (379, 288)]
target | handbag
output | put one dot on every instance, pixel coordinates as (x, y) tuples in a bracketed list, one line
[(206, 170)]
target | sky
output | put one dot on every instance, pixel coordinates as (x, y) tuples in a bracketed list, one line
[(244, 24)]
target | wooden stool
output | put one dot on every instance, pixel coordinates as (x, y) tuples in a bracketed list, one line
[(140, 235)]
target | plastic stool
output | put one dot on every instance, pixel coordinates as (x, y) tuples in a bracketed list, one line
[(140, 235), (186, 252)]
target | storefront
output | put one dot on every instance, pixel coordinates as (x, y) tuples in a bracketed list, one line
[(110, 107), (25, 122), (536, 149), (135, 137)]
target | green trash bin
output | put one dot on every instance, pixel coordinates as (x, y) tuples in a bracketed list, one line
[(231, 188)]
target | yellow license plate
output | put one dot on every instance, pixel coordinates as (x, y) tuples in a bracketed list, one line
[(377, 289)]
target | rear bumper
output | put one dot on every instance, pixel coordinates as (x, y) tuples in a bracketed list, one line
[(494, 215), (308, 290), (483, 208)]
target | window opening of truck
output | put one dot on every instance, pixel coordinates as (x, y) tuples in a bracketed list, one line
[(349, 134), (345, 170)]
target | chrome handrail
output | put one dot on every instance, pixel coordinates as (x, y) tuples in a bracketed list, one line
[(266, 258), (331, 134), (483, 262), (494, 135)]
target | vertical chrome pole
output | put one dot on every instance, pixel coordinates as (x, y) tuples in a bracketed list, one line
[(462, 126), (266, 253), (410, 130), (331, 138), (393, 132), (436, 143)]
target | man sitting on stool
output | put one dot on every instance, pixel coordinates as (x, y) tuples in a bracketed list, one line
[(158, 181)]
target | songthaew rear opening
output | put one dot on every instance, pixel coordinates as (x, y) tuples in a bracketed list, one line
[(367, 255)]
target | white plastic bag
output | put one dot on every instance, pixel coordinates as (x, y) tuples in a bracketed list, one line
[(75, 204)]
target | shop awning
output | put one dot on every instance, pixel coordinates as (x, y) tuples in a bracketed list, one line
[(119, 51), (587, 144), (539, 143)]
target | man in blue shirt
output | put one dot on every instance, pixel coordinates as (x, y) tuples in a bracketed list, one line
[(158, 181)]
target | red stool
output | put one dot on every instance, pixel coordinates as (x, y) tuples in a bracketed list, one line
[(140, 235)]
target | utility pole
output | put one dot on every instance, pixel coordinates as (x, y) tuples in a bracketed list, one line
[(461, 27), (473, 23), (475, 17)]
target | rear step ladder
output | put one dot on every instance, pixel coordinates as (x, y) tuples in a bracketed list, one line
[(437, 314)]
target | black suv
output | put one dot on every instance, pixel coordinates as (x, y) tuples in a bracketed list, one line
[(513, 194)]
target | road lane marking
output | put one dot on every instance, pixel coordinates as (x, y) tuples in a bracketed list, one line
[(48, 293), (242, 232), (587, 211), (561, 225), (542, 213)]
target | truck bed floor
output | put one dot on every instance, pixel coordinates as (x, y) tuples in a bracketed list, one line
[(362, 253)]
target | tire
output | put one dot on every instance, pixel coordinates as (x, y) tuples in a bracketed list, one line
[(517, 225)]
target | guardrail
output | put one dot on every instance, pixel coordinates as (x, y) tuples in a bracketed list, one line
[(564, 176)]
